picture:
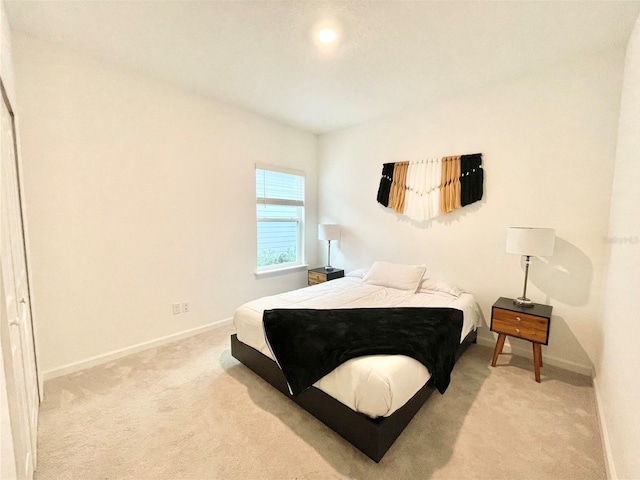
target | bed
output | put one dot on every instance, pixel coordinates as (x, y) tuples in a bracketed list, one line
[(370, 399)]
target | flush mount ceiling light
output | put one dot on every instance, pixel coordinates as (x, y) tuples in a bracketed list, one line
[(327, 35)]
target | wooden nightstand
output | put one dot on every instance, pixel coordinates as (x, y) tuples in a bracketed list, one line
[(321, 275), (530, 324)]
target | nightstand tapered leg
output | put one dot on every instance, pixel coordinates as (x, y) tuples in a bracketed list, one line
[(498, 350), (537, 360), (540, 347)]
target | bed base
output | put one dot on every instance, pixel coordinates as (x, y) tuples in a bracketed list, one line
[(371, 436)]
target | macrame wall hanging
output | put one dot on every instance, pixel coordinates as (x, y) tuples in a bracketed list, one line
[(427, 188)]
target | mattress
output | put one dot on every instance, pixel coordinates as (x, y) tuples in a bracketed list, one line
[(375, 385)]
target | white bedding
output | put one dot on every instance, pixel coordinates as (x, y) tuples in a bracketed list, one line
[(376, 385)]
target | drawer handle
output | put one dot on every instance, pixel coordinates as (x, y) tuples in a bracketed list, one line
[(518, 319), (517, 330)]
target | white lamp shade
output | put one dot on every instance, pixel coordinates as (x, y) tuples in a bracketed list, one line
[(328, 232), (536, 242)]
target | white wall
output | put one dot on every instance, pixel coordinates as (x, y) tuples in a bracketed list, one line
[(548, 142), (139, 195), (617, 373)]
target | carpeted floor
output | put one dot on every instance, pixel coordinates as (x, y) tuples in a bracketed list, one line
[(189, 410)]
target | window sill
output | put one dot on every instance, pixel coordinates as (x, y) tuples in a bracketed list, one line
[(281, 271)]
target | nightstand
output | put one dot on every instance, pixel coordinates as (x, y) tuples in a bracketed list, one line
[(527, 323), (321, 275)]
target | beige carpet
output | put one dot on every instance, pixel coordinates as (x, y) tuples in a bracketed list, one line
[(190, 410)]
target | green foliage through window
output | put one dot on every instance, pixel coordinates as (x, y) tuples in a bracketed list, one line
[(269, 256)]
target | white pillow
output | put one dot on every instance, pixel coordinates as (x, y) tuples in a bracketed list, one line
[(430, 285), (395, 275), (358, 273)]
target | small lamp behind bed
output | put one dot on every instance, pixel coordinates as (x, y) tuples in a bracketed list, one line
[(529, 242), (328, 232)]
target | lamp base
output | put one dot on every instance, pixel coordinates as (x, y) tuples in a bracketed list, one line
[(329, 268), (523, 302)]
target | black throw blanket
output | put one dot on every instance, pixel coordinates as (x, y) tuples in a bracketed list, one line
[(308, 343)]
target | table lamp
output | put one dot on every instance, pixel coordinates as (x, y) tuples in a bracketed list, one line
[(328, 232), (529, 242)]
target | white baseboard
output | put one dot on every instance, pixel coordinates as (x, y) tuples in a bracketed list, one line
[(123, 352), (549, 360), (604, 433)]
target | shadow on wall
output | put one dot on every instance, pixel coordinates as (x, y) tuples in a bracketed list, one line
[(352, 250), (575, 357), (565, 276)]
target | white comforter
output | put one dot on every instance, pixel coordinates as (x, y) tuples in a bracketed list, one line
[(376, 385)]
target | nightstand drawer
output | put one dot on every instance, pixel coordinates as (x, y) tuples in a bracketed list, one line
[(522, 325), (315, 277)]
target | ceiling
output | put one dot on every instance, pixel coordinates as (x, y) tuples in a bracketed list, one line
[(390, 55)]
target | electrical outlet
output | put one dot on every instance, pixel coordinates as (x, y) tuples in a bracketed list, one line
[(175, 308), (186, 307)]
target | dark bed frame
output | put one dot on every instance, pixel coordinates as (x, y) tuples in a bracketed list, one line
[(372, 436)]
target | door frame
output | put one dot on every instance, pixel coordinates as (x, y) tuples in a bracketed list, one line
[(7, 102)]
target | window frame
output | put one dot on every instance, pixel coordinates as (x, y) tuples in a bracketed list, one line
[(299, 219)]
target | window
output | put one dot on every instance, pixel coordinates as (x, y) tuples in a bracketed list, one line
[(280, 218)]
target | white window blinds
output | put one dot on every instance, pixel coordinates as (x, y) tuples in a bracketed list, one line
[(279, 188)]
